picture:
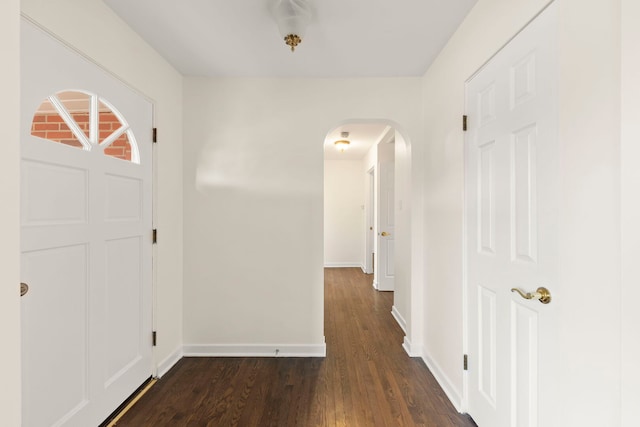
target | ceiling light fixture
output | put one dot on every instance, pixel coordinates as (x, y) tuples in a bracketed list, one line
[(342, 144), (292, 17)]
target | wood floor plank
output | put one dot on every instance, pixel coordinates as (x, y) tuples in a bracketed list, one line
[(366, 379)]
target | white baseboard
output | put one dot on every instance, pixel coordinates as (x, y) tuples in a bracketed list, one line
[(375, 285), (342, 264), (235, 350), (169, 362), (396, 315), (411, 349), (450, 390), (255, 350)]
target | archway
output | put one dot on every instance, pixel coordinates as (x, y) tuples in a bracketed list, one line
[(360, 162)]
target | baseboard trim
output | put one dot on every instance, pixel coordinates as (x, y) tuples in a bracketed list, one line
[(255, 350), (411, 349), (169, 361), (396, 315), (444, 381), (342, 264)]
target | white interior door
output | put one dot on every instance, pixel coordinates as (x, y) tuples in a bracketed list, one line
[(86, 237), (384, 267), (511, 216)]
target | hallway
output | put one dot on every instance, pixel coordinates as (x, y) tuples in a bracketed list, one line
[(366, 379)]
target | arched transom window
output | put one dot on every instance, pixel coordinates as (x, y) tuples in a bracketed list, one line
[(85, 121)]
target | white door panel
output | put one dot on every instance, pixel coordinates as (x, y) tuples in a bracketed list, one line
[(511, 213), (61, 271), (86, 237), (384, 270)]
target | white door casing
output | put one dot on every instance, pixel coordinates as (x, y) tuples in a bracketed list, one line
[(385, 262), (86, 246), (369, 232), (511, 201)]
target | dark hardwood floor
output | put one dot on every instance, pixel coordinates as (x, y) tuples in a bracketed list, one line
[(366, 379)]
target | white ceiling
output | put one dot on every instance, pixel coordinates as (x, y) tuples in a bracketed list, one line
[(347, 38)]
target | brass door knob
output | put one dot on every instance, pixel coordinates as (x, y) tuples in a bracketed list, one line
[(24, 288), (541, 294), (385, 234)]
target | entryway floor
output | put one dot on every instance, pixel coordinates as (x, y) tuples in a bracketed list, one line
[(366, 379)]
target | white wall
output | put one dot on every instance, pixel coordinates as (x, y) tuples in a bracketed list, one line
[(589, 131), (10, 402), (402, 206), (93, 29), (589, 105), (253, 200), (370, 159), (344, 198), (630, 192)]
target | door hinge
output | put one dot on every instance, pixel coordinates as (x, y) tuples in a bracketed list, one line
[(465, 363), (464, 123), (155, 135), (154, 338), (154, 239)]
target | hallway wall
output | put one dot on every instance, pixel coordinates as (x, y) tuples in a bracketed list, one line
[(344, 195), (10, 391), (404, 277), (589, 240), (253, 202), (630, 195)]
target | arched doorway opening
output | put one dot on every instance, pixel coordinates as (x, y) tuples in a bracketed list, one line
[(368, 211)]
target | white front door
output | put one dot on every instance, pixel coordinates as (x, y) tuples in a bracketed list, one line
[(384, 267), (86, 237), (511, 239)]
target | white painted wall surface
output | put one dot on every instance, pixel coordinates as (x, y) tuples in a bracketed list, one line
[(589, 131), (344, 198), (402, 207), (10, 394), (589, 92), (370, 158), (253, 199), (630, 208), (93, 29)]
